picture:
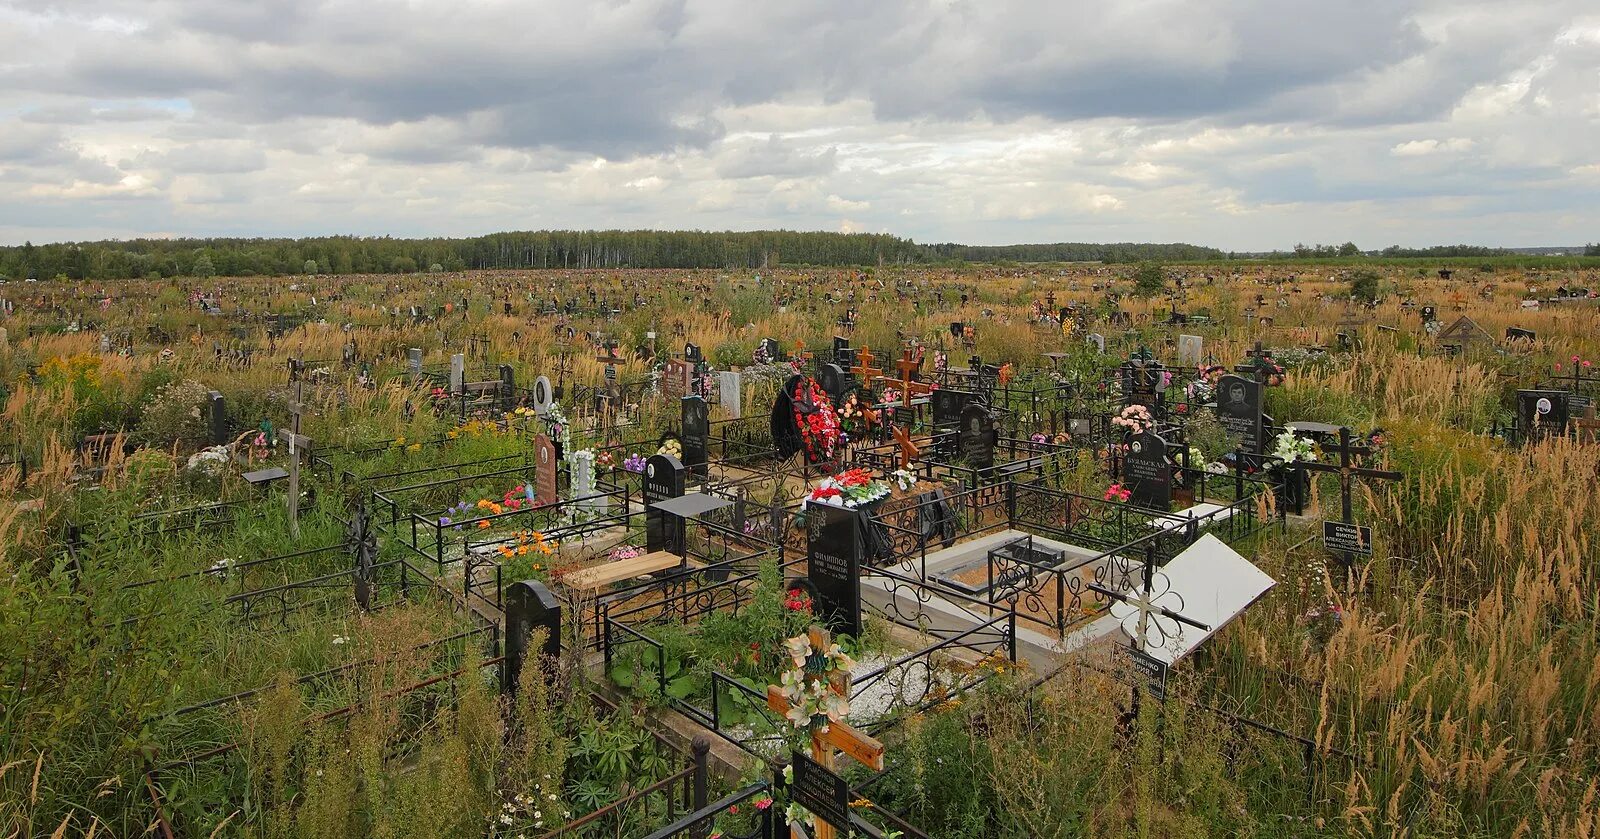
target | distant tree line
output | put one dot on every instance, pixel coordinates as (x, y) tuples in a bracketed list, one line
[(535, 249), (365, 255), (1074, 252), (109, 260), (1445, 251)]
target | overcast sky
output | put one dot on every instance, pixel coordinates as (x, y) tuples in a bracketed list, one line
[(1244, 124)]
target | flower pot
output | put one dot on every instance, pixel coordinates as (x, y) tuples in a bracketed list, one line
[(1292, 490)]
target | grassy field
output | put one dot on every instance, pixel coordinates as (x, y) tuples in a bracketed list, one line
[(1449, 684)]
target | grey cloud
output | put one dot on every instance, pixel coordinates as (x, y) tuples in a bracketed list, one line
[(207, 158)]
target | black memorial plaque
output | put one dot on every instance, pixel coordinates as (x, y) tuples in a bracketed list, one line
[(1347, 538), (820, 791)]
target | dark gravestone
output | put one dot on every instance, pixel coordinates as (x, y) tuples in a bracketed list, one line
[(834, 552), (771, 350), (1141, 384), (216, 419), (1542, 413), (843, 355), (1239, 409), (544, 470), (1148, 473), (529, 606), (977, 436), (948, 405), (696, 416), (691, 353), (957, 327), (508, 386), (663, 479), (833, 381), (1515, 334)]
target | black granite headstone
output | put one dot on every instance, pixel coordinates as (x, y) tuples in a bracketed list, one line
[(1239, 409), (529, 606), (696, 415), (216, 419), (663, 479), (977, 436), (833, 380), (834, 553), (1148, 473), (1542, 413)]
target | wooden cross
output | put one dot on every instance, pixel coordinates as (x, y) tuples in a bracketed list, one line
[(838, 737), (298, 443), (1346, 470), (800, 353), (908, 387), (1586, 427), (908, 449), (863, 367)]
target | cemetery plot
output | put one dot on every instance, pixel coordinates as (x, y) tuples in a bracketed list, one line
[(1063, 485)]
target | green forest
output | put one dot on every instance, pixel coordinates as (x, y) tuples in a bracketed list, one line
[(579, 249)]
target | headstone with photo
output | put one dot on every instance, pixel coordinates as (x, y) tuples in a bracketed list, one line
[(1240, 403), (1542, 413), (543, 396), (977, 437)]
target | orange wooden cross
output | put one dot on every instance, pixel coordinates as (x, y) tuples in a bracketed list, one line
[(908, 388), (908, 449), (1587, 427), (800, 350), (864, 367)]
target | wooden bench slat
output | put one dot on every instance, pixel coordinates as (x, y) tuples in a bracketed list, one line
[(622, 569)]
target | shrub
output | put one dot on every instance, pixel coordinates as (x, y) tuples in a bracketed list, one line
[(173, 415), (1149, 280), (1365, 286)]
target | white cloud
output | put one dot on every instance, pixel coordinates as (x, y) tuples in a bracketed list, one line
[(1419, 148)]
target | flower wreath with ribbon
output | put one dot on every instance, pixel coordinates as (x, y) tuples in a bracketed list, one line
[(816, 420)]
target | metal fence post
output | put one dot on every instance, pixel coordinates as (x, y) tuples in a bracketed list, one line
[(700, 749)]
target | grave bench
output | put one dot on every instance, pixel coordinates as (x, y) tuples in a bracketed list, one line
[(600, 576)]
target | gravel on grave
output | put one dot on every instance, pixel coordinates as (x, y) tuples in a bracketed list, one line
[(906, 688)]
